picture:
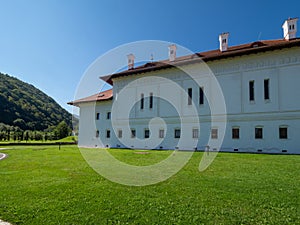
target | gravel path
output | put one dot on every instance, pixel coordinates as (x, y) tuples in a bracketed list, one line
[(2, 156)]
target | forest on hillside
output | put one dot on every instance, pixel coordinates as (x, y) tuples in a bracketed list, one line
[(24, 107)]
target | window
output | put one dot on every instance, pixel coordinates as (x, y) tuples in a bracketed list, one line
[(120, 133), (151, 101), (97, 133), (214, 133), (177, 133), (224, 41), (107, 133), (146, 133), (195, 132), (283, 132), (108, 115), (258, 132), (161, 133), (251, 90), (266, 89), (190, 96), (132, 133), (235, 133), (201, 95), (142, 101), (97, 116)]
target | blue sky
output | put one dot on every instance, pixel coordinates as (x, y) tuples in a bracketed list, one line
[(50, 44)]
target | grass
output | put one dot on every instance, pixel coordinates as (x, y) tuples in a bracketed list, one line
[(69, 139), (44, 185)]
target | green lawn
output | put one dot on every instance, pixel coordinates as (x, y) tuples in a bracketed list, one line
[(68, 140), (44, 185)]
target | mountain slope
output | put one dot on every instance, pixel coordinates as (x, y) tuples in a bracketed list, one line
[(27, 107)]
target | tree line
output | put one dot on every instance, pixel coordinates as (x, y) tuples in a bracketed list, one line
[(15, 133)]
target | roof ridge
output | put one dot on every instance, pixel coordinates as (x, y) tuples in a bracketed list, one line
[(100, 96), (232, 51)]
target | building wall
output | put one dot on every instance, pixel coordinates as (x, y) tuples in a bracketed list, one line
[(86, 136), (281, 110), (89, 124)]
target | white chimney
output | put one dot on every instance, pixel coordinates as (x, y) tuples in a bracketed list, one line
[(172, 52), (223, 39), (290, 28), (130, 58)]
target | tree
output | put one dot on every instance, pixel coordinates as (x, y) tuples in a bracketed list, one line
[(62, 130), (19, 123), (26, 135)]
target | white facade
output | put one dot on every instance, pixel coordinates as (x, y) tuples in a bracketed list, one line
[(261, 93), (280, 110)]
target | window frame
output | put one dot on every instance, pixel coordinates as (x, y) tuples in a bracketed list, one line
[(235, 135), (214, 133), (132, 133), (190, 96), (108, 133), (108, 115), (285, 136), (150, 100), (267, 89), (120, 133), (97, 116), (251, 87), (161, 133), (146, 133), (257, 133), (142, 103), (177, 133), (201, 95), (195, 133)]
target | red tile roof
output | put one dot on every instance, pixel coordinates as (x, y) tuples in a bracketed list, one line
[(102, 96), (239, 50)]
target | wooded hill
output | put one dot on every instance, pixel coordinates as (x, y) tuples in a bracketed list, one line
[(24, 106)]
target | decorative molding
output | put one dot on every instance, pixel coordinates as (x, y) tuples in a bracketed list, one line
[(261, 63)]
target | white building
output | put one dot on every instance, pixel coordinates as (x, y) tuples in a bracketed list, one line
[(260, 82)]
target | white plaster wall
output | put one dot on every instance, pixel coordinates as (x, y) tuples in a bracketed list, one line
[(87, 126), (270, 142), (280, 67)]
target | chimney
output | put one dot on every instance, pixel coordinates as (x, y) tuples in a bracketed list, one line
[(172, 52), (223, 39), (290, 28), (130, 58)]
